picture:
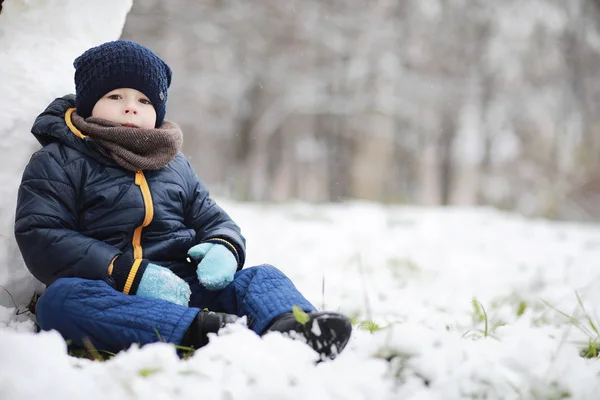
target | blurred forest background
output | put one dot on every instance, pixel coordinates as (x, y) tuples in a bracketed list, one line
[(432, 102)]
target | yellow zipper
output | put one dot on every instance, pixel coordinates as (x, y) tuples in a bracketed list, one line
[(140, 180)]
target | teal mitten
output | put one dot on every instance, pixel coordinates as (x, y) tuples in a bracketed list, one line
[(162, 283), (217, 265)]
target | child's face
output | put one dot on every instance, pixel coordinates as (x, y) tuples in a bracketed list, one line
[(128, 107)]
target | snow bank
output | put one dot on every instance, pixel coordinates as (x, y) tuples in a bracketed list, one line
[(39, 39)]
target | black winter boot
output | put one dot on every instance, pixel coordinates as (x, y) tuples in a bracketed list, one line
[(205, 322), (326, 332)]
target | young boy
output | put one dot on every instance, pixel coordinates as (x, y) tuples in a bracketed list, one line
[(113, 219)]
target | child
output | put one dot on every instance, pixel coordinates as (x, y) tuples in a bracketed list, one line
[(110, 213)]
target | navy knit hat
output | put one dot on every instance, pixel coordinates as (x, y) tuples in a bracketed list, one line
[(120, 64)]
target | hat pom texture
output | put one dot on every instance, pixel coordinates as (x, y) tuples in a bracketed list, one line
[(121, 64)]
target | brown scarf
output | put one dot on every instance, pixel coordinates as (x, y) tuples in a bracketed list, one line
[(134, 149)]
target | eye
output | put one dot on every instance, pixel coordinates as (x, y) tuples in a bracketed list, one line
[(114, 96), (145, 101)]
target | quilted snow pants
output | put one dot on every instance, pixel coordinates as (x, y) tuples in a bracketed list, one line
[(111, 320)]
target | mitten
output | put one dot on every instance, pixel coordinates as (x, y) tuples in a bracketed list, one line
[(217, 265), (161, 283)]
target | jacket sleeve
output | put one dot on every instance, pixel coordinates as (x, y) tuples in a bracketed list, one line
[(46, 226), (211, 223)]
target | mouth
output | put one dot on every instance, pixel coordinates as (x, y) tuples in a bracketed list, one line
[(129, 124)]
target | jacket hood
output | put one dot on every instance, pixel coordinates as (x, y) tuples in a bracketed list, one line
[(51, 127)]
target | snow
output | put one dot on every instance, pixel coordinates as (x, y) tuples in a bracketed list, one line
[(316, 329), (412, 271), (410, 274)]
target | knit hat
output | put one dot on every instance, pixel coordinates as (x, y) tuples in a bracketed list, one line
[(120, 64)]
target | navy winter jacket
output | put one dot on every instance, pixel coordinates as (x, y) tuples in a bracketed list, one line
[(77, 210)]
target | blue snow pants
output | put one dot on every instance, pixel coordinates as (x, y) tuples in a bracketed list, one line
[(83, 309)]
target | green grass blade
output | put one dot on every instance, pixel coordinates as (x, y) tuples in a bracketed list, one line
[(571, 319), (479, 308), (300, 315), (522, 308), (587, 315)]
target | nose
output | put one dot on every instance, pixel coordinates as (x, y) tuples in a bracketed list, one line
[(130, 108)]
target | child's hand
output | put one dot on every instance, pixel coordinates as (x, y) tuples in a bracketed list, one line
[(217, 265), (162, 283)]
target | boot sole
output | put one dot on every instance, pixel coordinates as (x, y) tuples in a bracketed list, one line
[(328, 334)]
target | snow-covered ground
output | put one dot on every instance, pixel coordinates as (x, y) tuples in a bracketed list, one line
[(412, 271)]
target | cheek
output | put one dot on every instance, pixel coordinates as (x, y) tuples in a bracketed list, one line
[(103, 110), (149, 118)]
